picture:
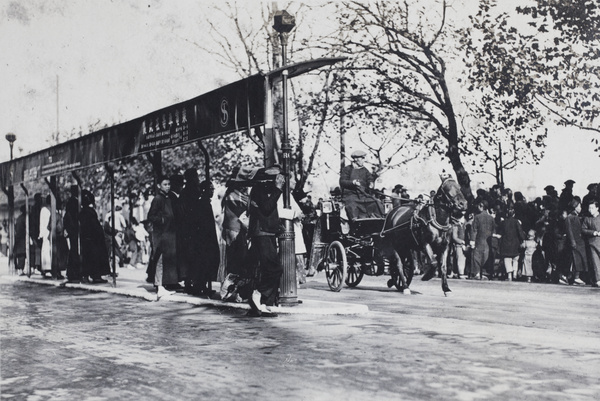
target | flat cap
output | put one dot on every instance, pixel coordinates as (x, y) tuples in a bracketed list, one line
[(569, 182), (549, 188), (358, 153)]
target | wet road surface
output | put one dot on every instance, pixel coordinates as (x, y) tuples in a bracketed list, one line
[(488, 341)]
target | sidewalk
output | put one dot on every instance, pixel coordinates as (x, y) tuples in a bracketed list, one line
[(132, 283)]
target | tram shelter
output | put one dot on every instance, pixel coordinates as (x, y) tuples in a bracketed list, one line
[(242, 106)]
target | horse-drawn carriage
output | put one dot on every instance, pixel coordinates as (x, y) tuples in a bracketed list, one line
[(348, 250)]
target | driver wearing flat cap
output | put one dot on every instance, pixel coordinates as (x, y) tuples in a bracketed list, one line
[(355, 179)]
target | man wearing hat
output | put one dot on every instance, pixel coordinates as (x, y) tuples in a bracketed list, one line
[(355, 179), (589, 198), (566, 196), (397, 191)]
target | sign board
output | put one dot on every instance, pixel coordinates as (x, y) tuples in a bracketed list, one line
[(235, 107)]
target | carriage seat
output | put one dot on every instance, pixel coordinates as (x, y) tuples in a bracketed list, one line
[(366, 226)]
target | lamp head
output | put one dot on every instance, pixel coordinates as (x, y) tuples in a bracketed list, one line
[(284, 22)]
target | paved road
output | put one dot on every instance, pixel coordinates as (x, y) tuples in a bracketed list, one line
[(488, 341)]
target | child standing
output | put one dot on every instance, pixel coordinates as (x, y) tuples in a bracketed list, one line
[(529, 246)]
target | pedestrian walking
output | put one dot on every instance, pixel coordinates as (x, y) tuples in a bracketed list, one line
[(263, 230)]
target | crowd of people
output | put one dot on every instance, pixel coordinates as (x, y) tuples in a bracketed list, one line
[(554, 238), (185, 243), (175, 232)]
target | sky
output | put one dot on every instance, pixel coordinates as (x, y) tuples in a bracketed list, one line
[(72, 63)]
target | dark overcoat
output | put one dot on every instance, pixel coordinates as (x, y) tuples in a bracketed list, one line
[(512, 236), (199, 251), (575, 243), (94, 256)]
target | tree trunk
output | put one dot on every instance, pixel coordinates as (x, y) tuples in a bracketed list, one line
[(462, 176)]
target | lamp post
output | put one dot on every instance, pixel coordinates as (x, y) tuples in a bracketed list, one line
[(283, 24), (11, 138)]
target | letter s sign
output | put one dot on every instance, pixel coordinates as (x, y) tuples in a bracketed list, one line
[(224, 113)]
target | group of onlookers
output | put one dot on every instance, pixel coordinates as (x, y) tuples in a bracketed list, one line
[(554, 238)]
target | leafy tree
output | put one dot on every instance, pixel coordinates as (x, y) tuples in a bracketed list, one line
[(549, 64)]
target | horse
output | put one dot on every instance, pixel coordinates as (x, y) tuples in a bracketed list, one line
[(424, 227)]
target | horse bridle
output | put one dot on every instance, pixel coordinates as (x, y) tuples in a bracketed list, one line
[(448, 202)]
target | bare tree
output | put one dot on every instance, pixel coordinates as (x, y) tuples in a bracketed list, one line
[(398, 68)]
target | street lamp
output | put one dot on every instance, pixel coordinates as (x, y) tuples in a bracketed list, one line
[(11, 138), (284, 23)]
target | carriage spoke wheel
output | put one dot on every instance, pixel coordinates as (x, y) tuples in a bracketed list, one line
[(335, 266), (355, 273)]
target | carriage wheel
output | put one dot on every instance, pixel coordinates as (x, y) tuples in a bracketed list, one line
[(335, 265), (355, 273)]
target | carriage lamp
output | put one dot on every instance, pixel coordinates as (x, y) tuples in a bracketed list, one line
[(326, 207)]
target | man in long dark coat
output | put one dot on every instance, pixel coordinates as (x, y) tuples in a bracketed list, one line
[(483, 229), (575, 243), (71, 226), (566, 196), (20, 246), (163, 238), (94, 255), (199, 251), (264, 226)]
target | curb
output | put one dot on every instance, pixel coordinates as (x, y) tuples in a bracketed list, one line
[(307, 307)]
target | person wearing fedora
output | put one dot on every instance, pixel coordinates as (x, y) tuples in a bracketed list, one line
[(355, 180), (566, 196)]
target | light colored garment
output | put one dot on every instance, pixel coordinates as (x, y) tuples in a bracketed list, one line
[(530, 246), (296, 217), (46, 254)]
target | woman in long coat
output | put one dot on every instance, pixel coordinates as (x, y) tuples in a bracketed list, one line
[(199, 252), (94, 256), (575, 243), (591, 230)]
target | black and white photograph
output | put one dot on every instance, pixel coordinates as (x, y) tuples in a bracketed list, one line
[(302, 200)]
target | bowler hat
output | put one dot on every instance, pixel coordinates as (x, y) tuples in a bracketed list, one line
[(358, 153)]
